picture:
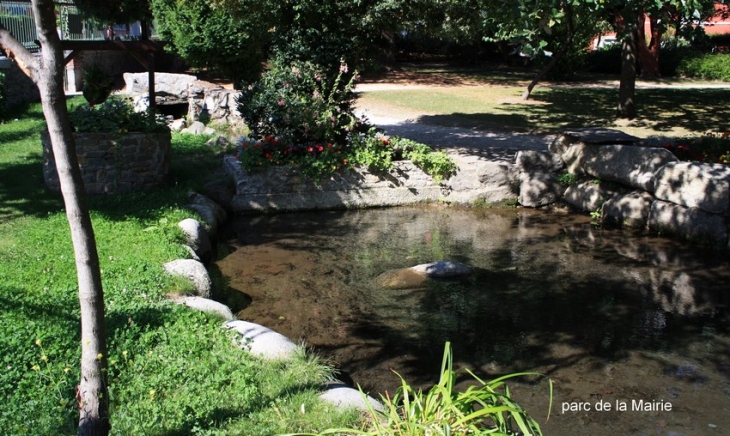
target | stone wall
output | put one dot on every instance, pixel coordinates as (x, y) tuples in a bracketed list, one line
[(284, 189), (624, 183), (112, 163), (618, 180)]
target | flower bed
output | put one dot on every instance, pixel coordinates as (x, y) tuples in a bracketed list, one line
[(708, 148)]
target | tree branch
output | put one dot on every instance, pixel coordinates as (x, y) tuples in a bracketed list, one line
[(16, 51)]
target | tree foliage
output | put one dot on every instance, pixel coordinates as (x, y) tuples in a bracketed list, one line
[(115, 11), (229, 39)]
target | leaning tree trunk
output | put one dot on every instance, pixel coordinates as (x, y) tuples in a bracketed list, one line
[(558, 56), (47, 73)]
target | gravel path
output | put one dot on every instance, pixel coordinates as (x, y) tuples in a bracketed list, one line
[(456, 141)]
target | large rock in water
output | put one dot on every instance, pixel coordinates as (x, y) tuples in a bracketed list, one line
[(417, 276)]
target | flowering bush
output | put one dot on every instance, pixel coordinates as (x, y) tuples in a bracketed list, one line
[(296, 103), (710, 148), (318, 160), (298, 117)]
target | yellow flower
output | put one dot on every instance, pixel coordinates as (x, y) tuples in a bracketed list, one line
[(35, 368), (99, 356), (38, 342), (44, 358)]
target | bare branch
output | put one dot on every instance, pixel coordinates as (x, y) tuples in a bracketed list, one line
[(15, 50)]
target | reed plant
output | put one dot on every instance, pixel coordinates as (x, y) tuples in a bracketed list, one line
[(485, 408)]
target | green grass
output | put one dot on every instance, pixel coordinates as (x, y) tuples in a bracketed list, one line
[(483, 101), (172, 371)]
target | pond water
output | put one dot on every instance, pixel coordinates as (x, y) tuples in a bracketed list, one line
[(612, 317)]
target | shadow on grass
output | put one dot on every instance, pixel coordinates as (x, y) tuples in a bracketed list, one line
[(22, 191), (660, 110)]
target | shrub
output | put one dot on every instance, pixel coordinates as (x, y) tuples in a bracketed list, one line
[(298, 117), (318, 160), (115, 116), (605, 60), (705, 66), (299, 105)]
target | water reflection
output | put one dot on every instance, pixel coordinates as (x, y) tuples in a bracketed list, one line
[(607, 314)]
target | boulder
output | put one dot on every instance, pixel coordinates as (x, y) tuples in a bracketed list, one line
[(219, 103), (626, 164), (443, 269), (690, 223), (539, 188), (208, 216), (693, 184), (197, 239), (198, 128), (221, 216), (482, 180), (261, 341), (587, 196), (345, 397), (195, 272), (531, 160), (177, 125), (208, 306), (590, 136), (220, 191), (169, 88), (631, 209)]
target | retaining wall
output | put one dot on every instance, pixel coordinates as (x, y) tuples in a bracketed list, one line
[(112, 163)]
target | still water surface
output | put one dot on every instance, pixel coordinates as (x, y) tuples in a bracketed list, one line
[(612, 317)]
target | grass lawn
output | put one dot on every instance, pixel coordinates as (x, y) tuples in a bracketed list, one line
[(173, 371), (491, 101)]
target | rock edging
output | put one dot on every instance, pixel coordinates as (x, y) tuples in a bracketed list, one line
[(256, 339)]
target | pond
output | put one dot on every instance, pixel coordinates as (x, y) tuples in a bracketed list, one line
[(611, 316)]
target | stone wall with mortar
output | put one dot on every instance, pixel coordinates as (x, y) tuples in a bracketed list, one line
[(112, 163)]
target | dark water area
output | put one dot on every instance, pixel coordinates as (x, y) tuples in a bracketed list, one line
[(611, 316)]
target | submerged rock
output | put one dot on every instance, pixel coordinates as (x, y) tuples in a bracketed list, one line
[(403, 278), (417, 276), (443, 269)]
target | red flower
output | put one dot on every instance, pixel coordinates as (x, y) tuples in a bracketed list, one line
[(310, 149), (320, 148)]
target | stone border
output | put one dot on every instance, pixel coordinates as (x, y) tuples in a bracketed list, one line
[(256, 339), (620, 180)]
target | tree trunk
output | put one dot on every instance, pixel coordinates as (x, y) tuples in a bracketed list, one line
[(627, 87), (624, 24), (561, 53), (648, 54), (47, 73)]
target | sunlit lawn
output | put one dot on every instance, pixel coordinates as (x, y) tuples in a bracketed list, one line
[(486, 102)]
